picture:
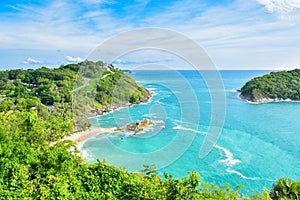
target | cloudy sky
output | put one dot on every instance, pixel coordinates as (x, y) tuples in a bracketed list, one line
[(236, 34)]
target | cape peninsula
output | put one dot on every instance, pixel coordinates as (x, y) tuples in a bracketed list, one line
[(69, 94)]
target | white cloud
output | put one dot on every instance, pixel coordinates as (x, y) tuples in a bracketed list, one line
[(74, 59), (31, 61), (97, 1), (65, 26), (280, 5), (238, 28)]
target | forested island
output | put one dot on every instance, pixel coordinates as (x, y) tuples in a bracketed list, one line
[(43, 105), (273, 87)]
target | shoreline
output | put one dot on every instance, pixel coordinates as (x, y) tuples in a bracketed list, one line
[(84, 135), (93, 130), (266, 100), (114, 108)]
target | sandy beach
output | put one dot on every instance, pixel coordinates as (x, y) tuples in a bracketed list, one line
[(83, 135), (93, 131)]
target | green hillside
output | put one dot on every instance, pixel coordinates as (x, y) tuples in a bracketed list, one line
[(71, 93), (276, 86)]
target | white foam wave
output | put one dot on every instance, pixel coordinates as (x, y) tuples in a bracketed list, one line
[(186, 129), (154, 93), (157, 101), (128, 134), (230, 160), (150, 115), (151, 89), (84, 153), (251, 102), (241, 175), (149, 100), (79, 145), (159, 121), (177, 121)]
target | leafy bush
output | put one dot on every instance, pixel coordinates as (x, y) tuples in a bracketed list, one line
[(285, 188)]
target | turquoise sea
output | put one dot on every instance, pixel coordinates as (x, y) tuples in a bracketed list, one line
[(258, 144)]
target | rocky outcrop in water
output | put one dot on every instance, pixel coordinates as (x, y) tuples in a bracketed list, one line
[(136, 127)]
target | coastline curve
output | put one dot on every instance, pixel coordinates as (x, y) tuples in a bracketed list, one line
[(186, 49)]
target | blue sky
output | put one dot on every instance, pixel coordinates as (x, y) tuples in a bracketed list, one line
[(236, 34)]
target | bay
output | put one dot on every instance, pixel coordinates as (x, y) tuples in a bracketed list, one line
[(258, 143)]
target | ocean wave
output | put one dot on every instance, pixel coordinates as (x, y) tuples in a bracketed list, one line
[(159, 121), (128, 134), (151, 89), (230, 160), (163, 97), (153, 94), (241, 175), (157, 101), (179, 127), (149, 100), (79, 145), (151, 115), (231, 91), (84, 153), (177, 122)]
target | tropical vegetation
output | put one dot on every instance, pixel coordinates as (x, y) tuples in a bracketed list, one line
[(280, 85), (71, 92), (36, 109)]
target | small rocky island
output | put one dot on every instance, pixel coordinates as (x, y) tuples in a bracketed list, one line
[(136, 127), (273, 87)]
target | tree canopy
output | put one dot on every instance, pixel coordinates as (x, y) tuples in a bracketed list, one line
[(276, 85), (105, 87)]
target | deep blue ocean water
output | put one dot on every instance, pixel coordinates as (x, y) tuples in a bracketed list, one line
[(258, 143)]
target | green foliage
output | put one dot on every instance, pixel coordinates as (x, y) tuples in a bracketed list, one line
[(35, 109), (105, 87), (285, 188), (280, 85), (116, 88)]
